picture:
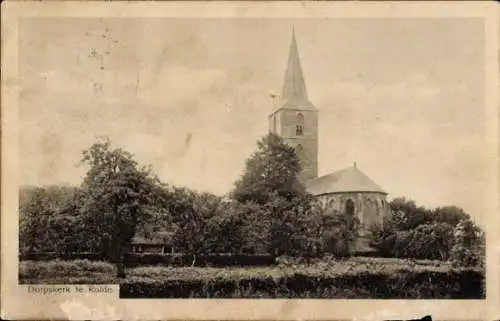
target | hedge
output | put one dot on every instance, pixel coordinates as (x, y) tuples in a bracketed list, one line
[(467, 284), (49, 256), (214, 260), (137, 259)]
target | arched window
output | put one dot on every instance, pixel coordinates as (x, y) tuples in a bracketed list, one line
[(349, 207), (299, 129)]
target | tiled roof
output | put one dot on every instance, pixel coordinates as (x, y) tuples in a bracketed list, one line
[(350, 179)]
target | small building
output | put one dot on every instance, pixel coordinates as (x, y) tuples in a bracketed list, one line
[(154, 242)]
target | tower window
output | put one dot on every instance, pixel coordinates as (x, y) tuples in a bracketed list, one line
[(299, 129)]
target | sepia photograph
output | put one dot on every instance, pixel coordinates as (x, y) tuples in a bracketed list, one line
[(265, 157)]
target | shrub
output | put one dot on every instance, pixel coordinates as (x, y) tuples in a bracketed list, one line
[(215, 260), (466, 284), (49, 256), (469, 246), (66, 272)]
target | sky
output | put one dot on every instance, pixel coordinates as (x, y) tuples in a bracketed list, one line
[(403, 98)]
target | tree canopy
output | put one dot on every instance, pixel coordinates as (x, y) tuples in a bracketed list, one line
[(119, 195), (271, 170), (269, 213)]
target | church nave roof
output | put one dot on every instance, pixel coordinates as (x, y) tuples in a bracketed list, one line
[(346, 180)]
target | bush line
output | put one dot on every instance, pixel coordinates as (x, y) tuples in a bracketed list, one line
[(466, 284)]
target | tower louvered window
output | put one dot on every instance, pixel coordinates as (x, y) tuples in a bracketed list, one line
[(299, 130)]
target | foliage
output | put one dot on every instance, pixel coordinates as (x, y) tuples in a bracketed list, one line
[(407, 215), (269, 213), (239, 228), (117, 197), (416, 232), (283, 216), (431, 241), (323, 278), (449, 214), (337, 231), (66, 272), (427, 241), (254, 229), (271, 170), (34, 215), (191, 213), (469, 246), (50, 221), (367, 285)]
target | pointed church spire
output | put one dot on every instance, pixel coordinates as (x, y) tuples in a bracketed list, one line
[(294, 85)]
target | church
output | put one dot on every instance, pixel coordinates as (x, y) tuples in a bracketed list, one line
[(295, 120)]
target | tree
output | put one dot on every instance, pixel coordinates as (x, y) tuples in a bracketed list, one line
[(337, 231), (408, 215), (468, 248), (117, 195), (426, 241), (270, 180), (255, 228), (224, 231), (34, 213), (431, 241), (50, 221), (449, 214), (272, 170), (282, 227), (191, 213)]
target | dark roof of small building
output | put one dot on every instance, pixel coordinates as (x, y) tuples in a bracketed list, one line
[(154, 238), (346, 180)]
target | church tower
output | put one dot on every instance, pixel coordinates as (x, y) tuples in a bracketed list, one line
[(295, 118)]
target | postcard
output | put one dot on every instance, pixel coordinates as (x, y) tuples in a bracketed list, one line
[(250, 160)]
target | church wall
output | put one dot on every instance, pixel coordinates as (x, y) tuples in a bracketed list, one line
[(369, 207)]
